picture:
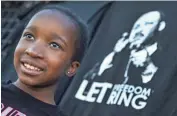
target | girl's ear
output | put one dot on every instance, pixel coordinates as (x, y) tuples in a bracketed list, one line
[(72, 69)]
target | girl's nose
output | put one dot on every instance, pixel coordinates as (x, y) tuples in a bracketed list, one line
[(34, 51)]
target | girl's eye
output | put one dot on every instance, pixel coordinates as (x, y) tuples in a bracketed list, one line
[(29, 36), (55, 45)]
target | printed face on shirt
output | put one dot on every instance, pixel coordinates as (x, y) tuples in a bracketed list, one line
[(45, 49), (144, 27)]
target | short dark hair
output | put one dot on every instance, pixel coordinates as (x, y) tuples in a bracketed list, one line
[(83, 32)]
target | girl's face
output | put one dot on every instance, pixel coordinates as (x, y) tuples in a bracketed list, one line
[(45, 49)]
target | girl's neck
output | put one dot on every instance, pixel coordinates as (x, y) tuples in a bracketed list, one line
[(45, 94)]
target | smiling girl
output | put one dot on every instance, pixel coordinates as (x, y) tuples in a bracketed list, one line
[(51, 46)]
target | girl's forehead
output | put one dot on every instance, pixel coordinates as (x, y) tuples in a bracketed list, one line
[(50, 12), (51, 15), (52, 19)]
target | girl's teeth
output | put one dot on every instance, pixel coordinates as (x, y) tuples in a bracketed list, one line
[(31, 67)]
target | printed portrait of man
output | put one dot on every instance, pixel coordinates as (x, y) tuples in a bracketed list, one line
[(142, 44)]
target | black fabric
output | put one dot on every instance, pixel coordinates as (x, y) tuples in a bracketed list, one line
[(154, 97), (16, 102)]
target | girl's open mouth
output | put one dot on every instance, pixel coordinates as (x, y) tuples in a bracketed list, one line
[(30, 69)]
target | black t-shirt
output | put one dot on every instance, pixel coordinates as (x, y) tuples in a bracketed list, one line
[(123, 80), (16, 102)]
